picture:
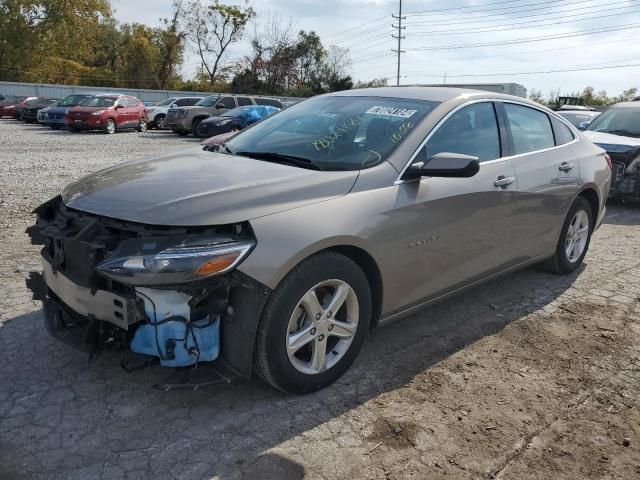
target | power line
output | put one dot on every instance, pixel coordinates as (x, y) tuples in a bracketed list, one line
[(350, 30), (448, 11), (510, 26), (538, 72), (501, 18), (532, 39)]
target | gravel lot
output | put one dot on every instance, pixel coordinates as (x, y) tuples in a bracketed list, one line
[(531, 376)]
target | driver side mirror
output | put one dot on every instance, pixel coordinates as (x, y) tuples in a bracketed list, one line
[(445, 164), (119, 105), (583, 125)]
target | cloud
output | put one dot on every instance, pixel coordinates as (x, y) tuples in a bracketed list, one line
[(364, 26)]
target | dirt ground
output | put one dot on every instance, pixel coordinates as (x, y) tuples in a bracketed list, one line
[(532, 376)]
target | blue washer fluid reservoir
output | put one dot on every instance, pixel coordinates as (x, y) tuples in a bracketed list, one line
[(182, 342)]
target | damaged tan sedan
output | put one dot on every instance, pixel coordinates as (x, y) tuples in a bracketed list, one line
[(278, 253)]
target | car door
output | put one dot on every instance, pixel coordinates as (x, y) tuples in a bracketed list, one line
[(547, 173), (133, 111), (120, 112), (453, 231)]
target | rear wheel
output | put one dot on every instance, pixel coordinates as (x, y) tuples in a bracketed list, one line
[(314, 324), (142, 126), (74, 129), (574, 238), (110, 126)]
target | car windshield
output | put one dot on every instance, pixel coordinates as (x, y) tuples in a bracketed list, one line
[(168, 101), (72, 100), (33, 101), (207, 101), (576, 118), (335, 132), (98, 102), (623, 121)]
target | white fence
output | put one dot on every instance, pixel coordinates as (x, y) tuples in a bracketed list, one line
[(61, 91)]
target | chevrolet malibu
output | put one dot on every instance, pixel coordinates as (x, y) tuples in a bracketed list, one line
[(278, 253)]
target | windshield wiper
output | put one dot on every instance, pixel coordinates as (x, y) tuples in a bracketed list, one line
[(626, 133), (281, 158)]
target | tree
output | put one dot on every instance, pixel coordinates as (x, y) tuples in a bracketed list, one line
[(536, 96), (170, 41), (375, 83), (212, 28), (628, 95)]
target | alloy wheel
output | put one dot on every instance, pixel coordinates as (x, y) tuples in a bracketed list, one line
[(577, 236), (161, 121), (322, 326), (143, 126), (111, 126)]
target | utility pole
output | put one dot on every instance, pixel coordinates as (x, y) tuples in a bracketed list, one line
[(400, 37)]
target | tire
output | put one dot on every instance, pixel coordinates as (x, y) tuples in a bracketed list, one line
[(283, 316), (54, 127), (142, 126), (110, 126), (74, 130), (181, 133), (194, 127), (160, 121), (563, 262)]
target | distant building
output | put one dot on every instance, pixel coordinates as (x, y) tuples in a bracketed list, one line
[(507, 88)]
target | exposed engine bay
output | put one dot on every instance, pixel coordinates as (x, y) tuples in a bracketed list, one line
[(163, 292)]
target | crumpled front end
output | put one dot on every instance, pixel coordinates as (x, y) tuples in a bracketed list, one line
[(164, 292), (625, 170)]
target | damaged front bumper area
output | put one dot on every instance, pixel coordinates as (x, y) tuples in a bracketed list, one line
[(625, 175), (166, 292)]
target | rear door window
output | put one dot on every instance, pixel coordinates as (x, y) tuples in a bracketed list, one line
[(472, 130), (244, 101), (530, 128), (272, 102)]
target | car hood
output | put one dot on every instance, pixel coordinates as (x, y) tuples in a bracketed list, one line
[(196, 188), (613, 143), (83, 109)]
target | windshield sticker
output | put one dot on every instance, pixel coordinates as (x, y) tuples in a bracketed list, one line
[(402, 132), (392, 111), (345, 127)]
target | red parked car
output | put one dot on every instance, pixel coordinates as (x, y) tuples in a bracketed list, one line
[(8, 105), (108, 113)]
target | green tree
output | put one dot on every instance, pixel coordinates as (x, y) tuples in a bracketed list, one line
[(212, 28)]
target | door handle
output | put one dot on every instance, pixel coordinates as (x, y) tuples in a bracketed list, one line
[(566, 166), (503, 181)]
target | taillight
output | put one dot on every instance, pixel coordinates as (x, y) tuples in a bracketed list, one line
[(608, 159)]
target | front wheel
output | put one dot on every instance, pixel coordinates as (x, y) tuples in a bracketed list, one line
[(160, 121), (142, 126), (575, 237), (314, 324), (110, 126)]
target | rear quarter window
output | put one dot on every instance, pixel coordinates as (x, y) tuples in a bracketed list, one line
[(562, 133)]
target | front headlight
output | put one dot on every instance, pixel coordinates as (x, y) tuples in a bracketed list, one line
[(223, 122), (160, 261), (98, 112)]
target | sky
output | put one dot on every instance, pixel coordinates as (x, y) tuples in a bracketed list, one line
[(469, 41)]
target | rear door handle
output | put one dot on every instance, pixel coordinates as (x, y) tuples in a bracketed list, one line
[(503, 181), (566, 166)]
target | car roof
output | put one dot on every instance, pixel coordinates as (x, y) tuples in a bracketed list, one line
[(438, 94), (633, 104), (581, 112)]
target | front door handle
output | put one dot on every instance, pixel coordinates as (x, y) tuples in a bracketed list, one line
[(566, 166), (503, 181)]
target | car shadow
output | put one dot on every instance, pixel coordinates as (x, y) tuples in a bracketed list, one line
[(623, 212), (52, 400)]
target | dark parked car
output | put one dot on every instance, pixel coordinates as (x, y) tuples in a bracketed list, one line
[(617, 130), (55, 115), (185, 120), (234, 120), (108, 113), (30, 113), (278, 254)]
